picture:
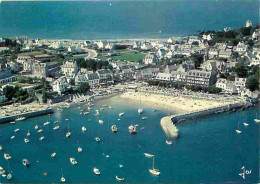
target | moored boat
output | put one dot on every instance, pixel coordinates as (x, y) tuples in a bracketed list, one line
[(246, 124), (168, 142), (79, 149), (119, 178), (121, 114), (132, 129), (257, 120), (100, 122), (83, 129), (53, 154), (97, 139), (140, 111), (114, 128), (154, 171), (26, 140), (73, 161), (41, 138), (16, 130), (46, 123), (20, 119), (26, 162), (148, 155), (7, 156), (56, 128), (96, 171)]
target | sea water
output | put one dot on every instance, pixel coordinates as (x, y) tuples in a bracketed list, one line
[(207, 151)]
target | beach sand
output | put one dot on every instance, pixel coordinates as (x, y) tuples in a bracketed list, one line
[(179, 103)]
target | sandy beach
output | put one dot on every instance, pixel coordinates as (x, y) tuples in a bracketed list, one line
[(176, 103)]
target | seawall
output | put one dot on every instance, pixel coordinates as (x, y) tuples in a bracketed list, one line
[(26, 115), (168, 122)]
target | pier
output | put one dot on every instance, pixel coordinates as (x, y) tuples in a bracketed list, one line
[(168, 123), (26, 115)]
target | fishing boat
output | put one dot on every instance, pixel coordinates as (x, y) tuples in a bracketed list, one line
[(154, 171), (96, 171), (53, 154), (246, 124), (168, 142), (73, 161), (12, 122), (121, 114), (83, 129), (39, 131), (100, 122), (119, 178), (114, 128), (7, 156), (132, 129), (144, 118), (13, 137), (97, 139), (56, 128), (148, 155), (36, 127), (46, 123), (16, 130), (26, 162), (26, 140), (28, 133), (79, 149), (41, 138), (257, 120), (20, 119), (238, 131), (62, 178), (140, 111)]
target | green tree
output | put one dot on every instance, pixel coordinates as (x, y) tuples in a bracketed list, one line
[(83, 88), (252, 83), (197, 59), (241, 69)]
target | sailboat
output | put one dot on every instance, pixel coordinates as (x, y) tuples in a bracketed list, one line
[(238, 131), (26, 140), (62, 178), (83, 129), (140, 110), (53, 154), (246, 124), (36, 127), (96, 171), (257, 120), (79, 149), (148, 155), (26, 162), (154, 171), (68, 134), (119, 178), (28, 133), (56, 128)]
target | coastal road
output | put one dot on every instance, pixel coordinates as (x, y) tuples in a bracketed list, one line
[(91, 54)]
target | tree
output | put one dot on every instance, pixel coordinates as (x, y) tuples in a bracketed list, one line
[(241, 69), (197, 59), (252, 83), (83, 88), (235, 55)]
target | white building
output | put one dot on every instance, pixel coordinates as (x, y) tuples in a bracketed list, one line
[(150, 58), (163, 77), (61, 85), (226, 86), (240, 48), (70, 69)]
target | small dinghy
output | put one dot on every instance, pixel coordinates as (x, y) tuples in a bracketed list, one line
[(246, 124), (16, 130), (121, 114), (79, 149), (39, 131), (7, 156), (97, 139), (148, 155), (41, 138), (100, 122), (168, 142), (26, 162), (73, 161), (26, 140), (68, 134), (96, 171), (53, 154), (119, 178), (56, 128), (36, 127), (13, 137), (83, 129), (46, 123), (114, 128)]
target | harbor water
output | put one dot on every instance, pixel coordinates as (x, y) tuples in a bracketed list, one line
[(207, 151)]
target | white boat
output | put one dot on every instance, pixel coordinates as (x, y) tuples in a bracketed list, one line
[(16, 130), (83, 129), (68, 134), (46, 123), (62, 177), (56, 128), (144, 118), (154, 171), (2, 171), (132, 129), (9, 176), (56, 122), (136, 125), (148, 155), (26, 140), (73, 161), (246, 124), (140, 111), (26, 162), (168, 142), (120, 165), (12, 122), (3, 175), (114, 128), (101, 109), (100, 122), (13, 137), (119, 178), (1, 147), (7, 156), (39, 131), (85, 113), (121, 114), (97, 112), (238, 131), (53, 154), (257, 120), (20, 119), (36, 127), (97, 139), (96, 171), (79, 149), (28, 133), (41, 138)]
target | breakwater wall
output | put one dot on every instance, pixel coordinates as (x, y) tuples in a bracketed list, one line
[(168, 123), (26, 115)]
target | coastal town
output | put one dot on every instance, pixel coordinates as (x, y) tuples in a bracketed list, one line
[(222, 63)]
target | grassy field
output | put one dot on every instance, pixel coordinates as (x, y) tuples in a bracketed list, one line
[(128, 55), (30, 53)]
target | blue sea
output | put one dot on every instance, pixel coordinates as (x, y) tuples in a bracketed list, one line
[(90, 20), (207, 151)]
